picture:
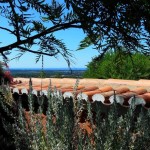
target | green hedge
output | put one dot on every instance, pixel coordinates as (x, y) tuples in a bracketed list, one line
[(118, 64)]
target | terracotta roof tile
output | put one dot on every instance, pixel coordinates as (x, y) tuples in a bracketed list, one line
[(121, 90), (92, 89), (139, 91), (146, 97)]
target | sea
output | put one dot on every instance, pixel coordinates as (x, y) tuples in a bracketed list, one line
[(48, 72)]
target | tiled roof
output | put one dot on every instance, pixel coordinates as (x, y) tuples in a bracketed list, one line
[(92, 89)]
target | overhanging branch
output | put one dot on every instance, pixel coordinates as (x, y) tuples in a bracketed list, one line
[(3, 55), (6, 29), (16, 24), (36, 52), (58, 27)]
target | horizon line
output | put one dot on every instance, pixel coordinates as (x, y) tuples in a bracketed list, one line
[(47, 68)]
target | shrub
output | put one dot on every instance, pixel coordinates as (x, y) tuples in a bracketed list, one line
[(60, 129), (5, 74), (118, 64), (7, 117), (1, 71)]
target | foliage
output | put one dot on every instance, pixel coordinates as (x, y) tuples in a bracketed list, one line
[(114, 23), (33, 24), (48, 73), (60, 130), (120, 65), (107, 24), (127, 131), (1, 70), (6, 75), (7, 117), (42, 74)]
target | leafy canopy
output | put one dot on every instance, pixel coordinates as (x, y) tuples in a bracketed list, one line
[(108, 24), (118, 64), (113, 23), (32, 23)]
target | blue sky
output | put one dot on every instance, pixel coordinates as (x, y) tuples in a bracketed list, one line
[(71, 37)]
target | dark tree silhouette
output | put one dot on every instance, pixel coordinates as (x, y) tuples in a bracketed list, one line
[(33, 23), (107, 24), (113, 23)]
